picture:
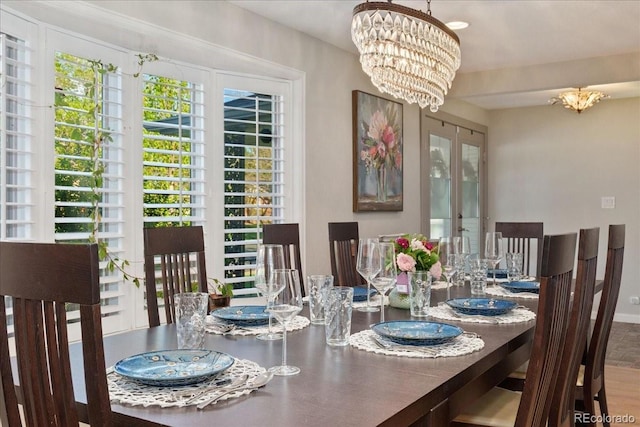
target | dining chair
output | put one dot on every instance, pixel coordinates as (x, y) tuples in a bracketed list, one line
[(38, 283), (174, 258), (343, 249), (519, 237), (563, 403), (287, 235), (591, 381), (530, 408)]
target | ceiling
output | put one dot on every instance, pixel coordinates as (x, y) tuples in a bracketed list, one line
[(515, 35)]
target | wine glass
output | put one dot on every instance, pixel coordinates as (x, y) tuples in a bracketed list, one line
[(287, 304), (368, 265), (269, 258), (387, 275), (493, 250), (447, 255)]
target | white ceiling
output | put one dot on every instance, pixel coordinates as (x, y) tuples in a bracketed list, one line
[(503, 34)]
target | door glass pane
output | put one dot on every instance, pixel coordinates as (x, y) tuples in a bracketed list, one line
[(440, 154), (471, 195)]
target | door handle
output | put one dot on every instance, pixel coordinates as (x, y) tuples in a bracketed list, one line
[(462, 229)]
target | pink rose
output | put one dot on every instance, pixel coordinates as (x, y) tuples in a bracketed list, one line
[(436, 270), (405, 262)]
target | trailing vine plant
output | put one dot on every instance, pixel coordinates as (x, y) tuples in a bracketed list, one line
[(100, 138)]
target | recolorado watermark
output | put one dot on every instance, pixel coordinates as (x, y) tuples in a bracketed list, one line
[(584, 418)]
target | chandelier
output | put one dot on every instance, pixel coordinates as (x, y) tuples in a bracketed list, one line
[(579, 100), (407, 53)]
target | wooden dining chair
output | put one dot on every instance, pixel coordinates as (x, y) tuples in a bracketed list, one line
[(563, 402), (519, 237), (531, 408), (591, 381), (287, 235), (38, 281), (343, 249), (174, 258)]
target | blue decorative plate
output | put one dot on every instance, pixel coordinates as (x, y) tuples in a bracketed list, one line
[(531, 287), (481, 306), (173, 367), (416, 332), (360, 293), (243, 315), (501, 273)]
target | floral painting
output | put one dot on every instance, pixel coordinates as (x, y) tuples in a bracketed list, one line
[(377, 153)]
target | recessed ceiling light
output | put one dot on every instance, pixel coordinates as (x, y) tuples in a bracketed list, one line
[(457, 25)]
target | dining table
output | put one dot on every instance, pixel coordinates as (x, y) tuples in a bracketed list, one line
[(344, 386)]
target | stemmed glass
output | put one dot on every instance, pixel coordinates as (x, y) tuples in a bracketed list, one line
[(268, 260), (447, 255), (493, 250), (386, 278), (368, 265), (286, 306)]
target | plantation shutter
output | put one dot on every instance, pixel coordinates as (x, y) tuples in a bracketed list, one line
[(253, 179), (16, 140), (173, 145), (88, 105)]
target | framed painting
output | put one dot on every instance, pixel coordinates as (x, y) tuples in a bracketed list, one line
[(377, 153)]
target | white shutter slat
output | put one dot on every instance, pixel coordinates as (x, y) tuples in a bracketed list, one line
[(253, 179), (16, 140)]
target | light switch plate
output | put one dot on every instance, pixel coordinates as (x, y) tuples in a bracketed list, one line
[(608, 202)]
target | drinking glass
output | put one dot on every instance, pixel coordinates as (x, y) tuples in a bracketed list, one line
[(287, 304), (388, 273), (368, 265), (269, 258), (463, 248), (514, 266), (494, 250), (447, 255)]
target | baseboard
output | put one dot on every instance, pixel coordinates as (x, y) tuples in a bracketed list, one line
[(626, 318), (620, 317)]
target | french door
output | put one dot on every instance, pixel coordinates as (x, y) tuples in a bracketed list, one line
[(453, 180)]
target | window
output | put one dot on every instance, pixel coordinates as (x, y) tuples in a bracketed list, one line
[(173, 145), (89, 163), (16, 141), (16, 188), (253, 178)]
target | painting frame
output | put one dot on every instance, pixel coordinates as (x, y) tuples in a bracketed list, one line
[(377, 153)]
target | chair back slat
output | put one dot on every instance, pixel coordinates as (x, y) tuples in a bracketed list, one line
[(563, 402), (175, 249), (40, 329), (593, 380), (551, 327), (519, 237), (343, 249), (287, 235)]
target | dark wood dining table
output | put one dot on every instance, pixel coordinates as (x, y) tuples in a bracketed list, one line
[(337, 385)]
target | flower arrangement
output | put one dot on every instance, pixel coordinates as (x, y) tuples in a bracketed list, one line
[(415, 253), (381, 144)]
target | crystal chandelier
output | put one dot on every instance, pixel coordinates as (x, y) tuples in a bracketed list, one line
[(578, 100), (407, 53)]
